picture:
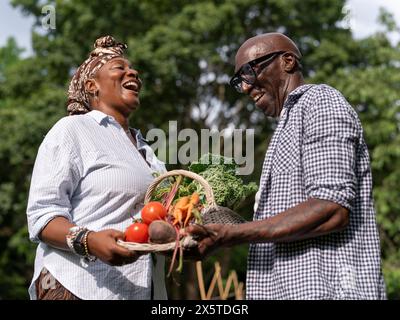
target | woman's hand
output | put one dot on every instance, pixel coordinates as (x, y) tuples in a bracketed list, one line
[(103, 245)]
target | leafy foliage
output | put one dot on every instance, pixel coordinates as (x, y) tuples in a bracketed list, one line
[(184, 53), (220, 172)]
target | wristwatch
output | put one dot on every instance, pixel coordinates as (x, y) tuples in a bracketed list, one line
[(77, 242)]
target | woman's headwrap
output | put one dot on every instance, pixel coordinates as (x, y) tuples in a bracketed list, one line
[(105, 49)]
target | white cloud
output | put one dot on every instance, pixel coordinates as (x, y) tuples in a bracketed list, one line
[(364, 14)]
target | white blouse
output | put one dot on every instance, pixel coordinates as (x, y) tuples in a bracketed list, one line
[(88, 171)]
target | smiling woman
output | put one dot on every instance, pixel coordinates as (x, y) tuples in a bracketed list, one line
[(116, 89), (90, 176)]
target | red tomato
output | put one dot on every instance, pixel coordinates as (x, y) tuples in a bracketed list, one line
[(153, 211), (137, 232)]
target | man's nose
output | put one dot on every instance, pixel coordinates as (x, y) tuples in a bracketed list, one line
[(246, 87)]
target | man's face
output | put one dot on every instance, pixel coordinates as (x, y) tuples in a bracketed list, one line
[(265, 90)]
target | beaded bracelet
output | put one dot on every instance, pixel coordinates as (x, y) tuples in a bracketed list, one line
[(88, 256)]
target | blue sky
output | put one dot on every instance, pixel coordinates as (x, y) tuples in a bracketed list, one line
[(13, 23), (363, 14)]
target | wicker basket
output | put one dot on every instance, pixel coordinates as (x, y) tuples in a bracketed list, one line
[(211, 213)]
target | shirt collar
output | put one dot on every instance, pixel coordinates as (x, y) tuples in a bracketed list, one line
[(140, 140), (294, 96), (100, 116), (97, 115), (297, 93)]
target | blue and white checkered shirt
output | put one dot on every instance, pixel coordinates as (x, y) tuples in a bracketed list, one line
[(88, 171), (318, 151)]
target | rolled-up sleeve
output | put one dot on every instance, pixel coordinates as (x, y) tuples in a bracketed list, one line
[(329, 154), (54, 179)]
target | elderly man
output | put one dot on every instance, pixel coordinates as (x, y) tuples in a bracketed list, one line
[(314, 234)]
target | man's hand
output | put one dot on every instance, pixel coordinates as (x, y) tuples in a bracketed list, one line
[(103, 245), (309, 219), (209, 237)]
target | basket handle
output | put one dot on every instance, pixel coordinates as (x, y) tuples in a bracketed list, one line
[(208, 191)]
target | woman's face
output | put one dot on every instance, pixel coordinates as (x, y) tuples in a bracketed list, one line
[(118, 86)]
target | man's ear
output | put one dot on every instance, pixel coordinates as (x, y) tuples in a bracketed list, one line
[(91, 86), (290, 62)]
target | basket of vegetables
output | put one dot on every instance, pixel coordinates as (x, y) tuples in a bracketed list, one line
[(206, 193)]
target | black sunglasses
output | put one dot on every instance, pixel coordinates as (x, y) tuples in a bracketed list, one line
[(247, 73)]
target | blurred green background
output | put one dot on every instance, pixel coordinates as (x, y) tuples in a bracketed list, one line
[(184, 51)]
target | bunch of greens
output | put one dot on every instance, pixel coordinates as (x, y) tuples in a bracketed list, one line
[(220, 172)]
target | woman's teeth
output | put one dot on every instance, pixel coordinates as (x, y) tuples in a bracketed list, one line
[(131, 85)]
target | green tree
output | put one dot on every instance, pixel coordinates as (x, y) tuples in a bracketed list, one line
[(185, 53)]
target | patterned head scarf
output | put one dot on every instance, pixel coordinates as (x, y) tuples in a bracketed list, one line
[(105, 49)]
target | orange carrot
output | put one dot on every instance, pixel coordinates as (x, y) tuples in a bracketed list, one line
[(180, 208), (194, 199)]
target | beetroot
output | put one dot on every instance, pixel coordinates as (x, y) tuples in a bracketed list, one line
[(161, 231)]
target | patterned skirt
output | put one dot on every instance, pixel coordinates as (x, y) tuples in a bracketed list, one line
[(48, 288)]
